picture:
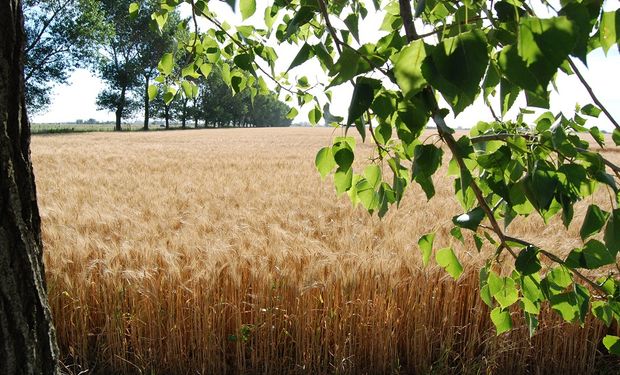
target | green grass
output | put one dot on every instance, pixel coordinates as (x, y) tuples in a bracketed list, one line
[(73, 128)]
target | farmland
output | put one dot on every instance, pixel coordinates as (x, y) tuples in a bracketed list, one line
[(222, 251)]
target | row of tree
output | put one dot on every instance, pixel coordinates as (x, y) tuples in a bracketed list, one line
[(215, 106), (124, 52)]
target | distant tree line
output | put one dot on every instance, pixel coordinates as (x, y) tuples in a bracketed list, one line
[(215, 106), (124, 52)]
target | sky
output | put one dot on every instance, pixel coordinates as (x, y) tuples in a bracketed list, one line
[(76, 100)]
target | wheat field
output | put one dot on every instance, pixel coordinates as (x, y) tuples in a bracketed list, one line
[(223, 252)]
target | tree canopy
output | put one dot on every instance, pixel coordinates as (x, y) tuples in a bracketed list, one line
[(431, 59), (61, 35)]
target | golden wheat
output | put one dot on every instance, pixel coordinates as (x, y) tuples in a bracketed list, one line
[(222, 251)]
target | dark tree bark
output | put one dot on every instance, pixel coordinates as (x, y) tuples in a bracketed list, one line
[(119, 109), (167, 116), (146, 103), (184, 113), (27, 337), (195, 112)]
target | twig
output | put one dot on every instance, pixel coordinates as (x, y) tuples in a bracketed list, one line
[(608, 163), (529, 137), (558, 260), (374, 138), (243, 47), (592, 95), (328, 23), (446, 133)]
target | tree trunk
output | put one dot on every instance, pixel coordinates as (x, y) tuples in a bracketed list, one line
[(146, 103), (195, 113), (184, 114), (27, 336), (167, 116), (119, 110)]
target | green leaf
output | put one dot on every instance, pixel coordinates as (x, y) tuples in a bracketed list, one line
[(292, 113), (314, 116), (607, 284), (508, 94), (591, 110), (426, 247), (527, 261), (244, 61), (344, 156), (372, 174), (168, 97), (426, 161), (446, 259), (503, 289), (383, 132), (531, 288), (231, 3), (478, 241), (248, 7), (166, 64), (302, 17), (544, 44), (532, 323), (610, 29), (160, 17), (205, 69), (133, 10), (324, 161), (596, 255), (603, 312), (352, 24), (363, 95), (566, 305), (491, 80), (367, 195), (456, 233), (556, 281), (305, 52), (456, 66), (583, 16), (485, 295), (501, 319), (598, 136), (612, 233), (152, 91), (593, 222), (470, 220), (529, 306), (187, 89), (616, 136), (540, 186), (612, 343), (343, 179), (408, 68)]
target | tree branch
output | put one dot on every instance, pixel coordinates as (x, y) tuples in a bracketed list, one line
[(505, 136), (446, 133), (407, 16), (558, 260), (45, 26), (592, 95), (329, 26)]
